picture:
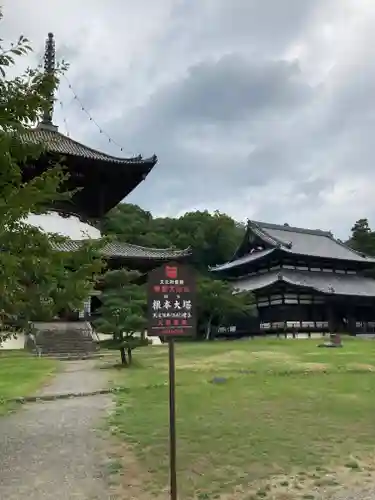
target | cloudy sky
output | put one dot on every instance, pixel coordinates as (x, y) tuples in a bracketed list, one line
[(263, 109)]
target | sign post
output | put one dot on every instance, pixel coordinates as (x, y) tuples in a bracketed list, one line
[(172, 421), (171, 313)]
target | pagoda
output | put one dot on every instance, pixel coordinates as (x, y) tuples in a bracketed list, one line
[(102, 180), (304, 281)]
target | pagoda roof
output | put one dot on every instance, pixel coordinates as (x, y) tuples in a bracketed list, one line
[(326, 283), (98, 181), (56, 142), (294, 241), (102, 180), (124, 250)]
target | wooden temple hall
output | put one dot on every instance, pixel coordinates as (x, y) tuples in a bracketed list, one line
[(303, 280)]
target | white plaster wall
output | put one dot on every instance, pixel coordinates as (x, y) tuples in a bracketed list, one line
[(103, 336), (11, 343), (71, 227), (19, 342)]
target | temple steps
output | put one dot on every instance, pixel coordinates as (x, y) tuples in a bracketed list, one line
[(70, 356), (65, 340)]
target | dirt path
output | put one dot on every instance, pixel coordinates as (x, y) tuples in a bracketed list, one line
[(51, 450)]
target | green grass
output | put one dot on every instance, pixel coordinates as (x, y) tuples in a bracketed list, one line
[(21, 375), (286, 410)]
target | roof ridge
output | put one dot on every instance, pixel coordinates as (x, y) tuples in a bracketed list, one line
[(140, 247), (255, 226), (171, 249), (294, 229), (357, 252), (52, 133)]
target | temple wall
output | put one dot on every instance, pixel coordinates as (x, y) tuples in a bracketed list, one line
[(19, 342), (102, 336), (71, 227), (11, 343)]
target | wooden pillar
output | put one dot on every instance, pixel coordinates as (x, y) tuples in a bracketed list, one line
[(331, 317)]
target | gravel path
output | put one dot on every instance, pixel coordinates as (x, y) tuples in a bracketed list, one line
[(365, 493), (50, 450), (78, 376)]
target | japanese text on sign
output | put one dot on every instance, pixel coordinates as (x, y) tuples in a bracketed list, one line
[(171, 295)]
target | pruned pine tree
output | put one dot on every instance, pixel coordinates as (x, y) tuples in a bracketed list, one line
[(122, 315)]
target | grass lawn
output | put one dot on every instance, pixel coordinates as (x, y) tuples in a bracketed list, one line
[(290, 420), (21, 375)]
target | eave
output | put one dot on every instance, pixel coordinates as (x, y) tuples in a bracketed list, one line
[(293, 242), (325, 283), (242, 260), (127, 251), (102, 180)]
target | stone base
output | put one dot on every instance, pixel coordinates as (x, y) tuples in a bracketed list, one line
[(64, 339)]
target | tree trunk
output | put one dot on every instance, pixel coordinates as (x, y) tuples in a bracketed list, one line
[(208, 328), (123, 356), (130, 357)]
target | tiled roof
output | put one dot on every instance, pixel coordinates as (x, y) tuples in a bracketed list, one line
[(56, 142), (326, 283), (126, 250), (242, 260), (311, 242), (294, 240)]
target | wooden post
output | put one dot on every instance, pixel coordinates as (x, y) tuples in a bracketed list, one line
[(172, 420)]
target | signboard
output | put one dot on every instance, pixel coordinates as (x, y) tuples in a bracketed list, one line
[(171, 301), (171, 313)]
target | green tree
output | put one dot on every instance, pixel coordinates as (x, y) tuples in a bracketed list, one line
[(362, 238), (128, 223), (217, 301), (123, 312), (35, 281), (132, 224), (213, 237), (160, 233)]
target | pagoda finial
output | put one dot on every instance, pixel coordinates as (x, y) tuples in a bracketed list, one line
[(49, 69)]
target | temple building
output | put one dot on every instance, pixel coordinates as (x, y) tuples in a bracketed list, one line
[(303, 280), (103, 181), (100, 182)]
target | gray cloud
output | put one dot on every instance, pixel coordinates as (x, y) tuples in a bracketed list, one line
[(256, 27), (256, 107), (213, 128), (231, 89)]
